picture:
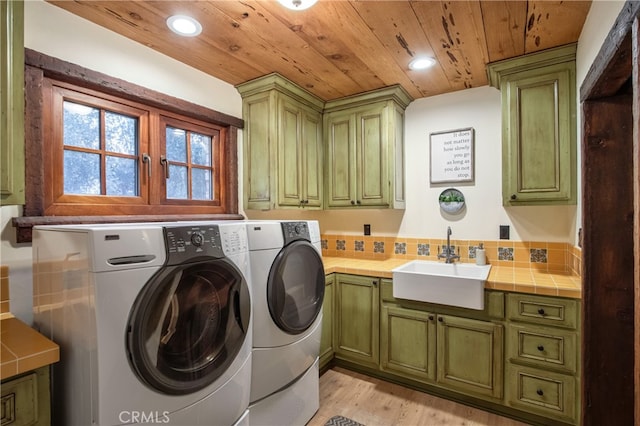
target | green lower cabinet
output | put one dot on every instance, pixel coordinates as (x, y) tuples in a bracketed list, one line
[(357, 329), (408, 343), (461, 354), (326, 339), (470, 355)]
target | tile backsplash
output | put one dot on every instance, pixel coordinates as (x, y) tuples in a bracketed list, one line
[(548, 256)]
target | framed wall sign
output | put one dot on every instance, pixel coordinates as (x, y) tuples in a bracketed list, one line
[(452, 156)]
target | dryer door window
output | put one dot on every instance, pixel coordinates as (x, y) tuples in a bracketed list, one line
[(295, 288), (187, 325)]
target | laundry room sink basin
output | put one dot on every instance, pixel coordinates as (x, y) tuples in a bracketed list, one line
[(454, 284)]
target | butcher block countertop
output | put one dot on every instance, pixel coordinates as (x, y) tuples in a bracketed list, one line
[(520, 280), (23, 349)]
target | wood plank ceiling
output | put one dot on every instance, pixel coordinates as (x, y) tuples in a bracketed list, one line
[(339, 48)]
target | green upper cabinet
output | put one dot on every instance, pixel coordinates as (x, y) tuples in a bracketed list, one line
[(283, 145), (538, 126), (364, 137), (12, 103)]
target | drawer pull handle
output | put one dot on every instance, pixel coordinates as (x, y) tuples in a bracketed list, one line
[(539, 392), (540, 348), (541, 311)]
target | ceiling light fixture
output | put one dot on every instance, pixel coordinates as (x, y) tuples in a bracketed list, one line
[(184, 25), (297, 4), (421, 63)]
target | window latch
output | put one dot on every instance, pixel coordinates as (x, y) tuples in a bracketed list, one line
[(146, 158), (165, 164)]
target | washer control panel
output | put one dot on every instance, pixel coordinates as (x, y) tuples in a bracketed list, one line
[(183, 243), (293, 231)]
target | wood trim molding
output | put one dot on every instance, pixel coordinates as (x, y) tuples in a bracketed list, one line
[(612, 67), (65, 71)]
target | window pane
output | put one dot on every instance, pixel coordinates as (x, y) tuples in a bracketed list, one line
[(177, 184), (81, 126), (176, 145), (201, 184), (200, 149), (81, 173), (120, 133), (122, 176)]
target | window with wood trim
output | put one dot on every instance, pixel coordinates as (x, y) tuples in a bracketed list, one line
[(100, 149)]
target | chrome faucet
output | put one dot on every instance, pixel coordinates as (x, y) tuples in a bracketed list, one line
[(448, 253)]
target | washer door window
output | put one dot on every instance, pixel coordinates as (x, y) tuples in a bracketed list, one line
[(187, 325), (296, 287)]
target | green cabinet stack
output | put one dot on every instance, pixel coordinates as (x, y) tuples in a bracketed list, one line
[(283, 146), (542, 354), (365, 150), (300, 152), (12, 103), (538, 126)]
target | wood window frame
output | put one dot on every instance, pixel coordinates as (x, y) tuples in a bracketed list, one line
[(37, 209)]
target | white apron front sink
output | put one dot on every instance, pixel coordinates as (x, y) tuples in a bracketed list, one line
[(454, 284)]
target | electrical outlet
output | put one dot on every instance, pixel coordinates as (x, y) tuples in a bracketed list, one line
[(367, 229), (504, 232)]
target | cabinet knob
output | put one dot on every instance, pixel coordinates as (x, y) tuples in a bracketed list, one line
[(541, 311), (352, 202), (540, 348), (430, 317), (513, 196), (540, 392), (440, 319), (358, 202), (374, 282)]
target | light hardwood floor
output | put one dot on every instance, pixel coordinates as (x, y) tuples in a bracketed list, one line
[(374, 402)]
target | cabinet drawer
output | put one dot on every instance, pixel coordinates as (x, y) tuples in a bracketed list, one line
[(19, 404), (543, 310), (547, 348), (541, 392)]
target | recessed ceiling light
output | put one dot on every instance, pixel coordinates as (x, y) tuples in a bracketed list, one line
[(297, 4), (184, 25), (421, 63)]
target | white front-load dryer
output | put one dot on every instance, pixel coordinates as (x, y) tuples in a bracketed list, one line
[(288, 280), (153, 322)]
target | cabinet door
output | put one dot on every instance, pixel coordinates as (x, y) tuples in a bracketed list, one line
[(470, 356), (357, 319), (372, 180), (259, 152), (312, 158), (299, 155), (341, 161), (539, 137), (290, 154), (326, 339), (408, 343)]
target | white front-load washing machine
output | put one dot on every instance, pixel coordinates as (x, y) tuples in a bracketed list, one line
[(153, 322), (288, 282)]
